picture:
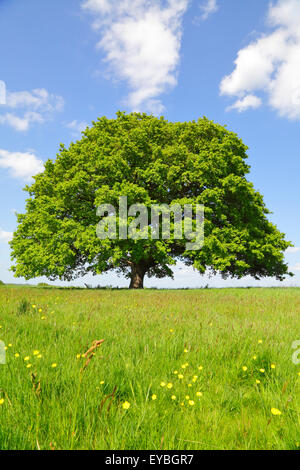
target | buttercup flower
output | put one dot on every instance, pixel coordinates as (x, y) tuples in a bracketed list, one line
[(126, 405), (275, 412)]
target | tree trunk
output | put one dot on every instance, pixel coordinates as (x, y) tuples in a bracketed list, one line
[(137, 277)]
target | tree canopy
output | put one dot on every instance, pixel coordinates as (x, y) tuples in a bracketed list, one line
[(151, 161)]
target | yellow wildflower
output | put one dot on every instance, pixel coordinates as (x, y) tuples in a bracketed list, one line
[(275, 412), (245, 368), (54, 365), (191, 402), (126, 405), (154, 397), (162, 384), (169, 386), (1, 401), (173, 397)]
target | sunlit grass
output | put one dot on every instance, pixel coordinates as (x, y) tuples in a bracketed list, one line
[(177, 370)]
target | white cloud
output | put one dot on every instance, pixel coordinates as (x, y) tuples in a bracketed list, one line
[(296, 267), (77, 127), (271, 64), (5, 237), (141, 40), (249, 101), (37, 99), (21, 165), (208, 7), (21, 123), (293, 249), (2, 92), (36, 106)]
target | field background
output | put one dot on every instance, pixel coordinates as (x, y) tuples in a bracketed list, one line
[(50, 402)]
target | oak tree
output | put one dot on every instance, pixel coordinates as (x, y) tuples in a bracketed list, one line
[(151, 161)]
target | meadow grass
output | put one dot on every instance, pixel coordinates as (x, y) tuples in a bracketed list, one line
[(232, 347)]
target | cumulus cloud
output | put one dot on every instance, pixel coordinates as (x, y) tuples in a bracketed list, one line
[(293, 249), (5, 237), (249, 101), (271, 63), (36, 106), (208, 7), (2, 92), (141, 40), (296, 267), (21, 165), (21, 123)]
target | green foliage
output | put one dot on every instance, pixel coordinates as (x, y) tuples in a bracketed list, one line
[(150, 161), (2, 283), (46, 407), (23, 307)]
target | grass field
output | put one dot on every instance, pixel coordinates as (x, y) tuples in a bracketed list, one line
[(224, 356)]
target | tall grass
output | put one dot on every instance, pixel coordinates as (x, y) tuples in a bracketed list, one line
[(234, 346)]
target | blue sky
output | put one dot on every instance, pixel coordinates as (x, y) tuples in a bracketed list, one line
[(66, 63)]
